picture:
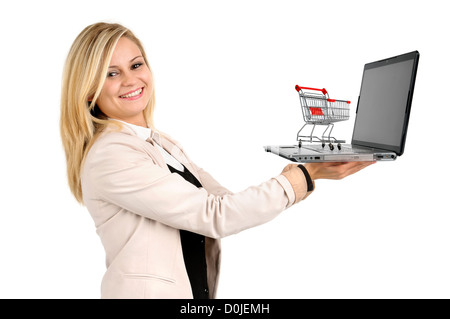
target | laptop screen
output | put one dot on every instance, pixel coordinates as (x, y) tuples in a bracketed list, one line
[(384, 102)]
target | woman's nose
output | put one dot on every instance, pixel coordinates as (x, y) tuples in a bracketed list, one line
[(128, 79)]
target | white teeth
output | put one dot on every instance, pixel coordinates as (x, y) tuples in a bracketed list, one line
[(135, 93)]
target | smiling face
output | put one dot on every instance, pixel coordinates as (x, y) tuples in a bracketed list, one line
[(128, 85)]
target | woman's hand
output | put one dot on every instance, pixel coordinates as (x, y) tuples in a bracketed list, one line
[(334, 170), (296, 178)]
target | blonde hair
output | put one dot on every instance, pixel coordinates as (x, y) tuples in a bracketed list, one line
[(84, 74)]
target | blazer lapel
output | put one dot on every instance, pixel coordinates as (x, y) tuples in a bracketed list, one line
[(177, 152)]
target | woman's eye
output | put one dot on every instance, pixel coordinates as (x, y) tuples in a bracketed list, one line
[(111, 74), (136, 65)]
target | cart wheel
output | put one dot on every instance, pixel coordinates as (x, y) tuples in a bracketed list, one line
[(323, 145), (339, 146), (299, 144), (331, 146)]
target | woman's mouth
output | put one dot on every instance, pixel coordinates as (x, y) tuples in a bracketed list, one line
[(133, 95)]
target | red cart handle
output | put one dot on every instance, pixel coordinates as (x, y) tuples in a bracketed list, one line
[(298, 88), (334, 100)]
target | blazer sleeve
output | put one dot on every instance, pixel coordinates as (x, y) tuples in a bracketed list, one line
[(127, 177), (209, 183)]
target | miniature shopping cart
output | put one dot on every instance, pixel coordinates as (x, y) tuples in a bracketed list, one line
[(319, 109)]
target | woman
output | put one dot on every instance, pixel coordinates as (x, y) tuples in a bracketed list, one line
[(159, 216)]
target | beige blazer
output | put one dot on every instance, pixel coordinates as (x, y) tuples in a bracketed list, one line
[(139, 206)]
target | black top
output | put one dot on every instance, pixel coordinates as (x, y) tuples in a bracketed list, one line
[(194, 249)]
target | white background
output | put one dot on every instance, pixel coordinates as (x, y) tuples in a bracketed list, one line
[(225, 73)]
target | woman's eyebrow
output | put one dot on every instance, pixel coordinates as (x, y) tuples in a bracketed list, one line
[(139, 56), (115, 66)]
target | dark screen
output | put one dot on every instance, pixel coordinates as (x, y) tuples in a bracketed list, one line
[(383, 103)]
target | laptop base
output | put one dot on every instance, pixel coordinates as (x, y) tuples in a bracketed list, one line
[(316, 154)]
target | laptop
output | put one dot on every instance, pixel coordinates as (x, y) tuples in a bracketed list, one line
[(382, 116)]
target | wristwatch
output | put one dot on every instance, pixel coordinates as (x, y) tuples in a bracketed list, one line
[(309, 182)]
